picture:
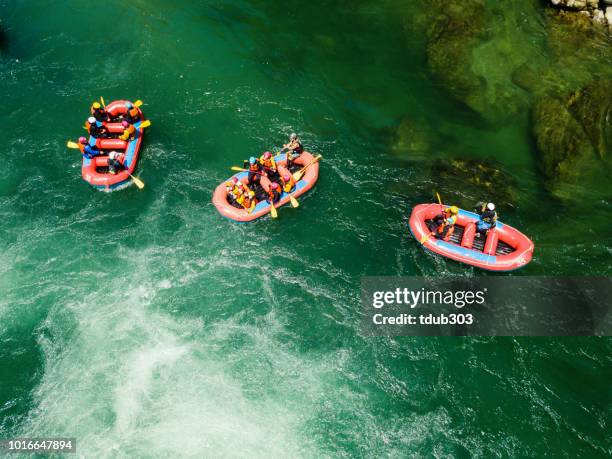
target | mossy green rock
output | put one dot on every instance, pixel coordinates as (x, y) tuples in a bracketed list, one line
[(476, 180), (573, 132)]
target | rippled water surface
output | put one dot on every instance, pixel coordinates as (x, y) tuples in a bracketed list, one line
[(143, 323)]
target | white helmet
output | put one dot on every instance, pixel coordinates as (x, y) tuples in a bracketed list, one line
[(293, 136), (491, 206), (113, 154), (91, 120)]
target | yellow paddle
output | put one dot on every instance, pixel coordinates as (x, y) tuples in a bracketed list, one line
[(439, 200), (102, 100), (238, 169), (139, 183), (273, 210), (145, 124), (71, 144), (297, 176), (294, 202), (138, 103)]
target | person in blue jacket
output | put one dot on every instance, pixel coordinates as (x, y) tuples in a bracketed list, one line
[(89, 151)]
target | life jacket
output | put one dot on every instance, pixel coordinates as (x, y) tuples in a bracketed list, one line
[(90, 151), (449, 222), (254, 167), (299, 149), (489, 216), (288, 186), (128, 132), (133, 112), (99, 114), (268, 163)]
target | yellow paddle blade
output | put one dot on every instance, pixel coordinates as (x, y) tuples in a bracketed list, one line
[(138, 103), (297, 176), (139, 183), (85, 127), (71, 144), (102, 101), (438, 196), (424, 238), (238, 169), (294, 202), (145, 124), (273, 211)]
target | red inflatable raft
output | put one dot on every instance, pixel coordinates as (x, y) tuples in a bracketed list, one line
[(503, 249), (95, 170), (262, 208)]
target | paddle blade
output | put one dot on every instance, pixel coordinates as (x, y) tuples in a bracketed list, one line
[(138, 103), (102, 101), (238, 169), (438, 196), (273, 211), (297, 176), (424, 238), (145, 124), (139, 183), (71, 144), (294, 202)]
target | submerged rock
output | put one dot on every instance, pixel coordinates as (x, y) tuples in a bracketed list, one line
[(475, 180), (411, 138), (573, 133), (473, 48)]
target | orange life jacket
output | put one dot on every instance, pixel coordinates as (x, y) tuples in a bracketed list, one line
[(133, 112)]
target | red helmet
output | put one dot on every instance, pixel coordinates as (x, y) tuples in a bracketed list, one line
[(274, 186), (235, 179), (82, 140), (267, 155), (286, 177), (125, 124)]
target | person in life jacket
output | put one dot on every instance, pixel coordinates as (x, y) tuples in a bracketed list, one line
[(116, 162), (98, 112), (288, 184), (443, 225), (96, 128), (273, 192), (129, 131), (294, 145), (269, 165), (255, 170), (247, 201), (88, 151), (232, 192), (132, 114), (488, 218)]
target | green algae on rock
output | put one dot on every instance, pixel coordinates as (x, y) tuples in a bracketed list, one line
[(478, 180), (573, 133)]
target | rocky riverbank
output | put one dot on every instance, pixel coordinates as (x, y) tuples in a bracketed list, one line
[(598, 10)]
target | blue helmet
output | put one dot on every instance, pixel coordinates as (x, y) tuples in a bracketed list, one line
[(252, 160), (128, 105)]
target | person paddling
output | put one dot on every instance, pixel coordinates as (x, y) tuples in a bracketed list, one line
[(98, 112), (116, 162), (442, 225), (88, 151), (129, 131), (273, 193), (269, 165), (287, 183), (488, 218), (293, 148), (132, 114), (255, 171), (96, 128)]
